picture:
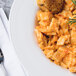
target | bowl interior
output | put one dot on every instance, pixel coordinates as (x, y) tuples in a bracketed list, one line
[(22, 21)]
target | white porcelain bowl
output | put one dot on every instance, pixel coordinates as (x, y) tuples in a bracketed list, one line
[(22, 19)]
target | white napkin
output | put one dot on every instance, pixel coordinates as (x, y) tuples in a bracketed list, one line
[(11, 62)]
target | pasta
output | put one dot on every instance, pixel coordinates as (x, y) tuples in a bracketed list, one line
[(56, 37)]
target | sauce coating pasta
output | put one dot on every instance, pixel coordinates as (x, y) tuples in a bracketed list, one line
[(56, 37)]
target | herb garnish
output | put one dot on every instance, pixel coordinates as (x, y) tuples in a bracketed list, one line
[(74, 1), (72, 20)]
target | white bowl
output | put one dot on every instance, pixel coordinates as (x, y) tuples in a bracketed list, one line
[(22, 19)]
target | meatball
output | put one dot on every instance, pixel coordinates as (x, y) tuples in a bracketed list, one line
[(54, 6)]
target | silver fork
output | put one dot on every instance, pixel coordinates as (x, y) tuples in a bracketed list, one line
[(6, 5)]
